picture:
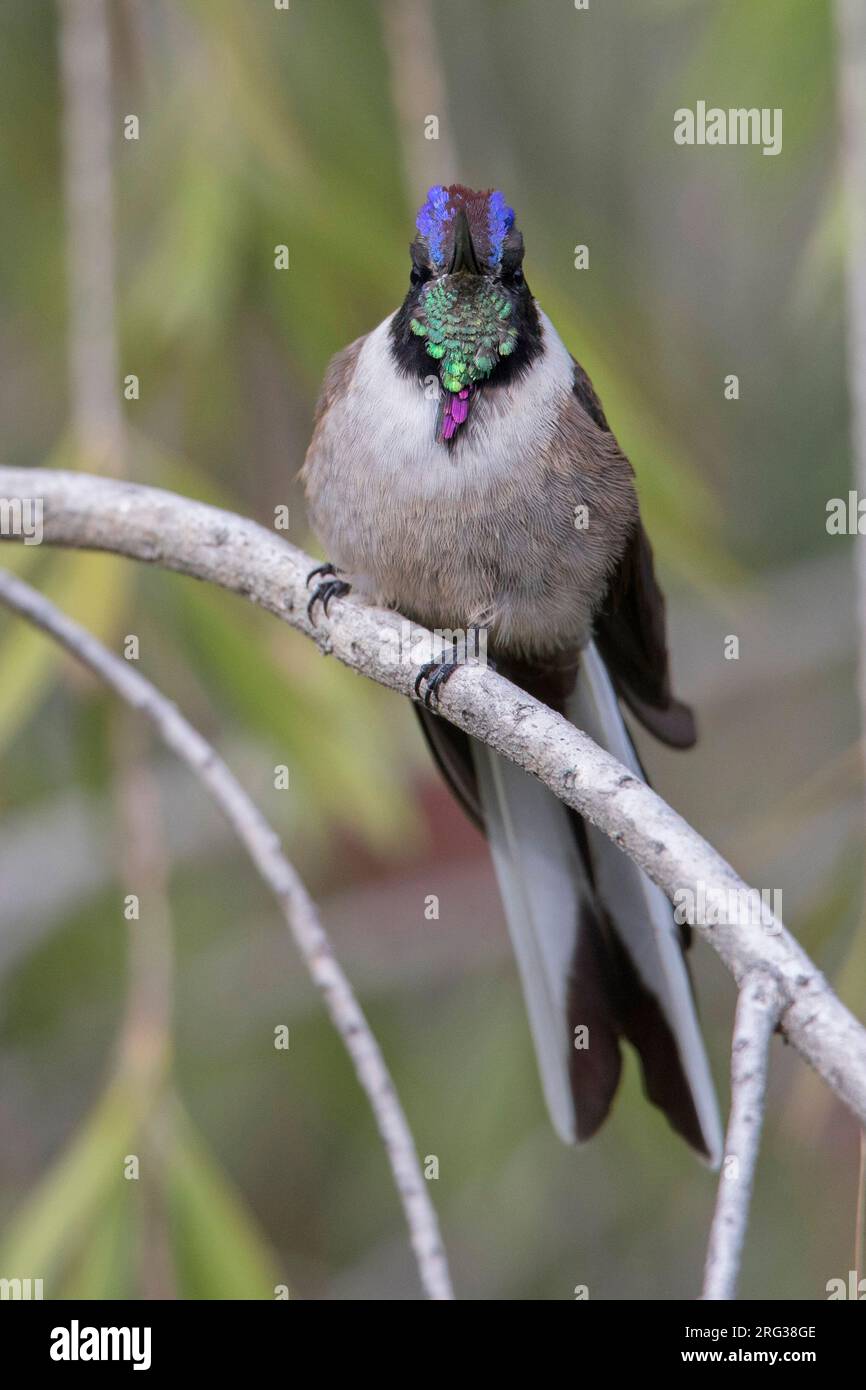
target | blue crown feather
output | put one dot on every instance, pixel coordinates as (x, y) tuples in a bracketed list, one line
[(439, 209), (432, 218), (500, 220)]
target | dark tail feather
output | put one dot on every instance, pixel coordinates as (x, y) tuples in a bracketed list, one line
[(595, 1063), (594, 941), (647, 1029)]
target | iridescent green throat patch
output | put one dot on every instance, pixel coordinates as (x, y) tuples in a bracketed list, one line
[(465, 322)]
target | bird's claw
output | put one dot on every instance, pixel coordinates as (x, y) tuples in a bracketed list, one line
[(329, 587), (435, 673), (326, 568)]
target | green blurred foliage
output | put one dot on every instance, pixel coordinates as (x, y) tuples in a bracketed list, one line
[(259, 129)]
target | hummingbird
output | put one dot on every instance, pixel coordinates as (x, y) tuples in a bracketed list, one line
[(462, 471)]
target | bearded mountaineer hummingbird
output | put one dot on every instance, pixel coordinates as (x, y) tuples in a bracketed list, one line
[(500, 500)]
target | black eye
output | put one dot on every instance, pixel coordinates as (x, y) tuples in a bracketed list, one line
[(418, 275), (511, 275)]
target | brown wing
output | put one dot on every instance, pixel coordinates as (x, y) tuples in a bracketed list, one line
[(585, 392), (337, 377), (630, 628), (630, 634)]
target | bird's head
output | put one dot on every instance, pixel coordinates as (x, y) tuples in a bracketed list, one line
[(467, 300)]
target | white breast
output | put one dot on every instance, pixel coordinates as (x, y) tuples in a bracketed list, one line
[(394, 419), (447, 535)]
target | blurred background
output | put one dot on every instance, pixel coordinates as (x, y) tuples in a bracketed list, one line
[(306, 127)]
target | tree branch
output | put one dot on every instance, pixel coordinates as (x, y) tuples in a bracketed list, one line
[(263, 845), (94, 373), (208, 543), (758, 1009), (851, 65)]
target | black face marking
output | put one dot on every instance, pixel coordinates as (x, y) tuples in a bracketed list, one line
[(409, 351)]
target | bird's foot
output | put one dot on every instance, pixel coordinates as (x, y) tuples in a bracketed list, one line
[(435, 673), (329, 587), (467, 649)]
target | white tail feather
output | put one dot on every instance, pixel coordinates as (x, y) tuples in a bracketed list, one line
[(642, 913), (543, 880)]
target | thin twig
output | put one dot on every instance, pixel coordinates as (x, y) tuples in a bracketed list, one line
[(263, 846), (418, 93), (851, 64), (758, 1008), (850, 18), (94, 373), (209, 543), (144, 1042)]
